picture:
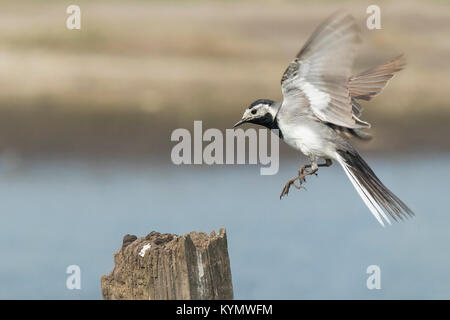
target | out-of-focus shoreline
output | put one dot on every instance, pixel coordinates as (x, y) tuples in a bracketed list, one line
[(138, 135)]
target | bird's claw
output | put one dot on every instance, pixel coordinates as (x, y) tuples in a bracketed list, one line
[(288, 184), (302, 173)]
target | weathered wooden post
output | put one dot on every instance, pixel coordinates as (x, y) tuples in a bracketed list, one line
[(166, 266)]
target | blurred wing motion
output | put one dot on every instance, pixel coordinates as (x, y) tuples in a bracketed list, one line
[(318, 77), (369, 83), (364, 86)]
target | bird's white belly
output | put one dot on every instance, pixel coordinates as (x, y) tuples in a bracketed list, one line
[(307, 139)]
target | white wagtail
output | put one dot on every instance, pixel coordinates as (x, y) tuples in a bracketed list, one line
[(320, 110)]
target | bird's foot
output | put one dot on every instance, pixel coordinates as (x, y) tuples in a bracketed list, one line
[(286, 188), (302, 173)]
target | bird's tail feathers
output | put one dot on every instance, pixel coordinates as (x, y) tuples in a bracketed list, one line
[(378, 198)]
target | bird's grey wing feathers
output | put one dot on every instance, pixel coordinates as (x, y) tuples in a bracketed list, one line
[(321, 70), (369, 83)]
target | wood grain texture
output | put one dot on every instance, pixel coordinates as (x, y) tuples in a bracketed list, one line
[(165, 266)]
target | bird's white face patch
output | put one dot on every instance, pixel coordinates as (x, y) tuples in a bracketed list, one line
[(257, 111)]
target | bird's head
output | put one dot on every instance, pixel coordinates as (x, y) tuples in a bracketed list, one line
[(262, 112)]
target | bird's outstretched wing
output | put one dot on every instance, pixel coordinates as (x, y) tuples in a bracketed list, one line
[(318, 77), (369, 83)]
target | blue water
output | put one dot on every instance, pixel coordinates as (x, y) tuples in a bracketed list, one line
[(316, 243)]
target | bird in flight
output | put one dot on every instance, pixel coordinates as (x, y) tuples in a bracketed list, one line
[(320, 111)]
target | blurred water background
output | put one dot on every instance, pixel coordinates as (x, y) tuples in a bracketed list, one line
[(313, 244), (85, 124)]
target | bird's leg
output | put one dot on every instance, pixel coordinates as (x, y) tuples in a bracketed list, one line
[(302, 173)]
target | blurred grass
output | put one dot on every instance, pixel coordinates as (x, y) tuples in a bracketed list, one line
[(138, 69)]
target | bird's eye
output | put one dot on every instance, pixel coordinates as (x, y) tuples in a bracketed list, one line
[(254, 111)]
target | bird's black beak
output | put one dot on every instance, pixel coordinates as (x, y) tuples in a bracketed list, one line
[(240, 122)]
